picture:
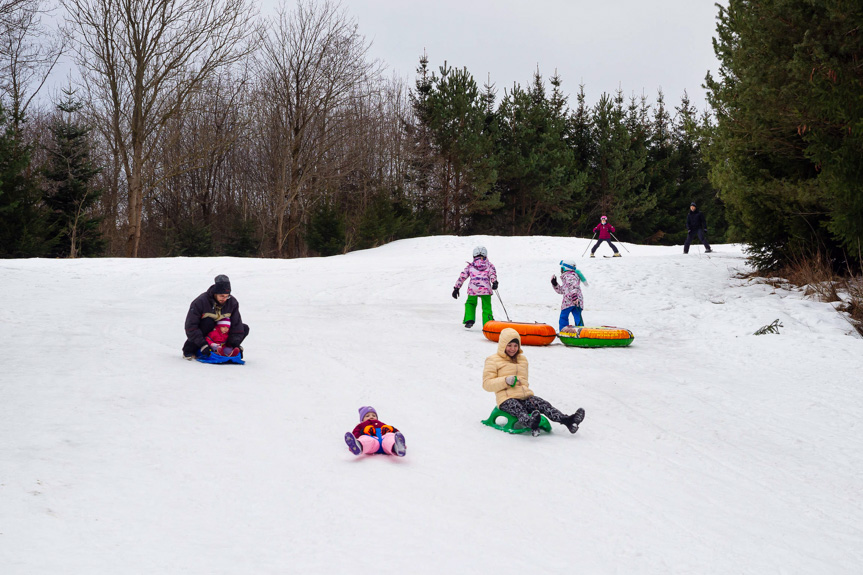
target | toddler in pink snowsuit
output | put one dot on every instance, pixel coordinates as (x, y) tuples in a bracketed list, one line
[(373, 436), (217, 338)]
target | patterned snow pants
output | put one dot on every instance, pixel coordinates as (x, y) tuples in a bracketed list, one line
[(522, 408)]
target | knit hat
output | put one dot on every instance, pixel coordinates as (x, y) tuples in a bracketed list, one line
[(693, 204), (225, 321), (223, 285), (567, 264), (480, 251), (365, 410)]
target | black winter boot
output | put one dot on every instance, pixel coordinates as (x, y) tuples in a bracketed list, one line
[(572, 421), (533, 423), (468, 324)]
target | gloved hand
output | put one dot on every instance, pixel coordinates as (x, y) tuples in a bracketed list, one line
[(454, 293), (205, 351), (554, 280), (511, 380), (494, 285)]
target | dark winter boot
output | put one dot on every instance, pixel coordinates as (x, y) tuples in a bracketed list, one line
[(533, 423), (708, 251), (572, 421), (468, 324)]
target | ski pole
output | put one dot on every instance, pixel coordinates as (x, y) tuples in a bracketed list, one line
[(588, 243), (620, 242), (501, 305)]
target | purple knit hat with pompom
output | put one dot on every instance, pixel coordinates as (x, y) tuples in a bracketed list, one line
[(366, 409)]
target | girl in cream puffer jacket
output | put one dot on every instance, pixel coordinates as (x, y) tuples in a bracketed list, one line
[(505, 373)]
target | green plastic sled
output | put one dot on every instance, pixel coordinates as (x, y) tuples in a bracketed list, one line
[(512, 425)]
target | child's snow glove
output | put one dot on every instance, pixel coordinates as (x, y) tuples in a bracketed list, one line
[(554, 280), (494, 285), (511, 380), (205, 351), (454, 293)]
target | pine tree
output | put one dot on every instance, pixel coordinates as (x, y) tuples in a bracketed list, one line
[(616, 184), (24, 229), (538, 175), (71, 193), (786, 150), (325, 233), (692, 183), (458, 126)]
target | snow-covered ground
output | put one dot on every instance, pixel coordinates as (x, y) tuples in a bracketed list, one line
[(706, 449)]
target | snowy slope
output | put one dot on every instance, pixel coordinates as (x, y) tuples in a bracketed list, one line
[(705, 449)]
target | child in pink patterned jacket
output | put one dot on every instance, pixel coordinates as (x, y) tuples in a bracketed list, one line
[(570, 288), (483, 281), (373, 436)]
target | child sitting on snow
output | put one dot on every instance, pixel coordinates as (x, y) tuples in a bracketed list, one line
[(505, 373), (570, 288), (217, 338), (483, 281), (373, 436)]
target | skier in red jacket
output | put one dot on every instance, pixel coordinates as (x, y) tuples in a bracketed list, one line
[(605, 230)]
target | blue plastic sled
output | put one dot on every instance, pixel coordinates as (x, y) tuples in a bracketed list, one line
[(216, 358), (512, 424)]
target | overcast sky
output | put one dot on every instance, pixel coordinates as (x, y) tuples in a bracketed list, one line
[(638, 45)]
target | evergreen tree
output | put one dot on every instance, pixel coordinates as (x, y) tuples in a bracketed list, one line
[(24, 229), (540, 182), (242, 241), (692, 183), (456, 116), (616, 185), (580, 132), (325, 233), (71, 194), (789, 136)]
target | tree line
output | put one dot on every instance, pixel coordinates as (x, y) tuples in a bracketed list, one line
[(200, 128)]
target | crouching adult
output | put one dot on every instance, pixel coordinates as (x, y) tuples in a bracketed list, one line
[(208, 308)]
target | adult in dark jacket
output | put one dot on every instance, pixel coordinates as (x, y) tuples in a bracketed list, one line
[(208, 308), (696, 224)]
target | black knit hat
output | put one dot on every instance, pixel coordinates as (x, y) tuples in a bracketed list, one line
[(223, 285)]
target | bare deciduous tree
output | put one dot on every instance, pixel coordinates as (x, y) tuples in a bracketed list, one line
[(28, 53), (142, 60), (313, 66)]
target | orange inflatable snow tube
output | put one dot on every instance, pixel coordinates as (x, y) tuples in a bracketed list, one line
[(531, 333)]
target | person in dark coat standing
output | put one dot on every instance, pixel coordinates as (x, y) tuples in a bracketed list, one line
[(696, 224), (214, 304)]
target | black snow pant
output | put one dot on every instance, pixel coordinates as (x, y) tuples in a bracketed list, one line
[(691, 236), (599, 243), (522, 408), (207, 325)]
